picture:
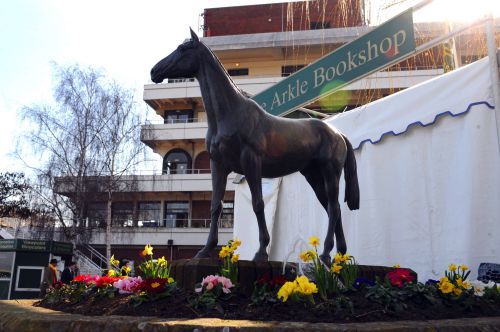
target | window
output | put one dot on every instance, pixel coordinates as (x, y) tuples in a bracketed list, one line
[(178, 116), (180, 80), (288, 70), (176, 214), (319, 25), (177, 161), (227, 216), (96, 214), (122, 214), (238, 72), (29, 278), (148, 214)]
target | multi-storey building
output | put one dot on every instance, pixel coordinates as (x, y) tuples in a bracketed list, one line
[(258, 45)]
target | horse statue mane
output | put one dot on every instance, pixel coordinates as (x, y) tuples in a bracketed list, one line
[(243, 138)]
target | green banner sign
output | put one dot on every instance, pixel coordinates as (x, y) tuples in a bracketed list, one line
[(62, 248), (33, 245), (379, 48)]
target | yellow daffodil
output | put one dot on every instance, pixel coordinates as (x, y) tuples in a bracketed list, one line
[(126, 269), (339, 258), (235, 258), (148, 250), (170, 280), (314, 241), (397, 266), (114, 261), (235, 244), (452, 267), (336, 268), (224, 252), (155, 285), (305, 257), (464, 267), (162, 262), (446, 287)]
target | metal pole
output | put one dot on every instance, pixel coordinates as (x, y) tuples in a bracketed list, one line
[(493, 60)]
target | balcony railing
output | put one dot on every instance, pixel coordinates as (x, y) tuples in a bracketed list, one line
[(158, 223), (175, 121)]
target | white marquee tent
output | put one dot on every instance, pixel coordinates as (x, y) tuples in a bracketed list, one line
[(429, 174)]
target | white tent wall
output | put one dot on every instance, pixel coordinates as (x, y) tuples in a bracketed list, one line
[(430, 186)]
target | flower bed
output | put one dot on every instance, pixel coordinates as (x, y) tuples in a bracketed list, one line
[(325, 293)]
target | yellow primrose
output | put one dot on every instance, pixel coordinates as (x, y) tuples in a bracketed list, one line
[(162, 261), (314, 241), (452, 267), (155, 285), (304, 286), (446, 287), (111, 273), (235, 258), (286, 290), (397, 266), (336, 268), (170, 280), (457, 291)]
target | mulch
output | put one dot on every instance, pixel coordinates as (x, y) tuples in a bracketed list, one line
[(239, 307)]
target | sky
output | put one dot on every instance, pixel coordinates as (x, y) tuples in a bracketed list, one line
[(124, 38)]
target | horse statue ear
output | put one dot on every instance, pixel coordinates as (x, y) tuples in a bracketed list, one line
[(193, 35)]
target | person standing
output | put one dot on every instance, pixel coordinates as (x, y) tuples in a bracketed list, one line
[(49, 277), (68, 273)]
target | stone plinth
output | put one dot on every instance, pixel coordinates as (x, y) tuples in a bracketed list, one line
[(188, 272)]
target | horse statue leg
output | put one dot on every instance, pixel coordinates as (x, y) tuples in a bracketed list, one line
[(219, 180), (253, 174), (331, 175)]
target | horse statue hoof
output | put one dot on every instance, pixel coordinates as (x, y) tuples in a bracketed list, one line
[(203, 254)]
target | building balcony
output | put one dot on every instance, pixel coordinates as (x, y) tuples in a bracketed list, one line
[(161, 96), (154, 133), (133, 236), (193, 181)]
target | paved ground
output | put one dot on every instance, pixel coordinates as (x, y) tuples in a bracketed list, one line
[(20, 316)]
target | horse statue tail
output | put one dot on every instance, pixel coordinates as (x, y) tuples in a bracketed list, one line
[(351, 178)]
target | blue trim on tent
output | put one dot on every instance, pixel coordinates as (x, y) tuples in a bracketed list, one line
[(368, 140)]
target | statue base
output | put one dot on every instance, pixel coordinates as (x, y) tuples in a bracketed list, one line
[(189, 272)]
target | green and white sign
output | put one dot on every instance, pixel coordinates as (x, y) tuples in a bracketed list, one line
[(378, 48)]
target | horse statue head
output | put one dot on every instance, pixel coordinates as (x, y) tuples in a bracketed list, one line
[(183, 62)]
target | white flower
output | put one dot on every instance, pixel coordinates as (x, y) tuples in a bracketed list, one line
[(480, 286)]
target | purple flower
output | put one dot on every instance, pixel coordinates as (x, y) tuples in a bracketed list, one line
[(359, 282)]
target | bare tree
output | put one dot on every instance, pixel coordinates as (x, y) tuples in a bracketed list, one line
[(91, 132)]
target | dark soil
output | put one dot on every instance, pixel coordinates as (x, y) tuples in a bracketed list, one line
[(358, 309)]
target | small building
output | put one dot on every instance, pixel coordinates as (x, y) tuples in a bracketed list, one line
[(22, 263)]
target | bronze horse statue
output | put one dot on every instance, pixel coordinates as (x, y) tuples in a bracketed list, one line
[(243, 138)]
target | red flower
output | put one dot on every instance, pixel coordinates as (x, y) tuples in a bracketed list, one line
[(106, 281), (278, 280), (399, 277), (154, 285), (85, 278)]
